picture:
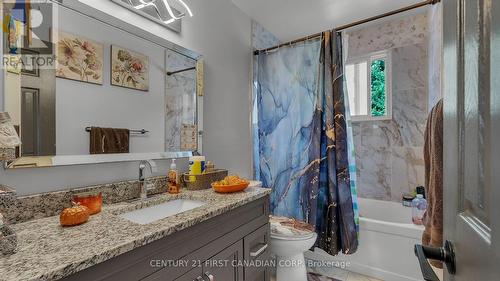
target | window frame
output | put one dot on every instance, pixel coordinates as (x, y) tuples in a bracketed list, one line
[(369, 58)]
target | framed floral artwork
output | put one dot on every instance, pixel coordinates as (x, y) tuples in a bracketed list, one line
[(129, 69), (79, 58)]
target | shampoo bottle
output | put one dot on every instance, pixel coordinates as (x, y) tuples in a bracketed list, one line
[(419, 206), (172, 180)]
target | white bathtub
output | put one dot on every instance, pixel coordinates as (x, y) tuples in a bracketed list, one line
[(387, 238)]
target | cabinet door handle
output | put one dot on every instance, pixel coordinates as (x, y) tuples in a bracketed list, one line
[(210, 276), (257, 253)]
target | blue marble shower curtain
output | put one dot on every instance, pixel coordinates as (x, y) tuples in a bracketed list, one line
[(298, 114)]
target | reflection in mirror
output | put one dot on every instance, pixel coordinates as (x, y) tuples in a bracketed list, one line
[(181, 129), (112, 96)]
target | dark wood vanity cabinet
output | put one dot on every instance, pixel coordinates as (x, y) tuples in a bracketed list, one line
[(227, 247), (213, 269)]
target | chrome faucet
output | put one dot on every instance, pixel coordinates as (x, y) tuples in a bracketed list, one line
[(142, 166)]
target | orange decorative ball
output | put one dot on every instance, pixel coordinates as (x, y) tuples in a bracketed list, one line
[(75, 215)]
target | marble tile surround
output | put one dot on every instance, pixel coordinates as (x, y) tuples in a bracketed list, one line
[(409, 67), (435, 23), (25, 208), (261, 38), (389, 154), (393, 34)]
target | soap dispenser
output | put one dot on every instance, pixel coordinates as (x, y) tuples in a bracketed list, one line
[(173, 179)]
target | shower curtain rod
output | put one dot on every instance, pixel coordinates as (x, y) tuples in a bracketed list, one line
[(180, 71), (356, 23)]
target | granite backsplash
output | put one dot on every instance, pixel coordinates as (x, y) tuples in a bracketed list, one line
[(25, 208), (7, 196)]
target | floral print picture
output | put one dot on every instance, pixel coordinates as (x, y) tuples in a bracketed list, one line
[(129, 69), (79, 58)]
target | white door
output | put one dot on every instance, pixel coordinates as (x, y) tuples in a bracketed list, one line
[(472, 137)]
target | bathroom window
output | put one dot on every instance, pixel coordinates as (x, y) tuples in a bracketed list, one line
[(368, 86)]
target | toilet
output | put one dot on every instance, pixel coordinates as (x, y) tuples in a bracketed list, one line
[(289, 240)]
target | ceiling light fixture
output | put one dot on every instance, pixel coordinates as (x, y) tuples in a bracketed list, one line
[(164, 12), (185, 7), (171, 13), (169, 9)]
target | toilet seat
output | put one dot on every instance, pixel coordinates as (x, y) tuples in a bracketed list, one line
[(292, 237), (289, 229)]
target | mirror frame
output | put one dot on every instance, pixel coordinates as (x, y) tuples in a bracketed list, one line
[(91, 12)]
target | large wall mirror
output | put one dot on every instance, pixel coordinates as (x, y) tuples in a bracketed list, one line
[(116, 93)]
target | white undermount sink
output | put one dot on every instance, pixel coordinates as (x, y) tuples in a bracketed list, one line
[(161, 211)]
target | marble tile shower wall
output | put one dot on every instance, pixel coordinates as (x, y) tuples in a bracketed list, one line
[(389, 154), (180, 99), (261, 38), (435, 23)]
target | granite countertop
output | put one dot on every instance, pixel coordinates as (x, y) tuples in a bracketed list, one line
[(47, 251)]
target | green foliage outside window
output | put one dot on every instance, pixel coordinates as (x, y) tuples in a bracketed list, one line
[(378, 87)]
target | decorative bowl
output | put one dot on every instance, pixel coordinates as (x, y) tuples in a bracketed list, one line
[(230, 188)]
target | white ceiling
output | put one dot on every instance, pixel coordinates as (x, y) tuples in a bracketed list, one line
[(292, 19)]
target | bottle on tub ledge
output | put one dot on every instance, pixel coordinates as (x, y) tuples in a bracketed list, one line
[(419, 206), (407, 198)]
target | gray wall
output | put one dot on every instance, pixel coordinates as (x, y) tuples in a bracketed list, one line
[(221, 33), (82, 104)]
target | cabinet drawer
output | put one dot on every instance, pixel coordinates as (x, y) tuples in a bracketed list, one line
[(257, 252)]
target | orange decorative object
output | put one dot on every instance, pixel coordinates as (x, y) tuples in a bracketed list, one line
[(75, 215), (93, 201), (230, 188)]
